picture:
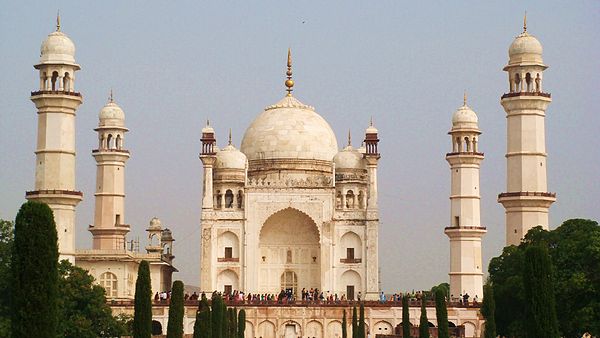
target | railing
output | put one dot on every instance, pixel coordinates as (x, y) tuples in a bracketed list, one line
[(526, 94), (350, 260), (465, 153), (466, 227), (54, 192), (228, 259), (527, 193), (110, 150), (61, 92)]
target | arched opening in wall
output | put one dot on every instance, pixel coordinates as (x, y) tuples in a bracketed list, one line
[(118, 142), (227, 281), (350, 199), (518, 82), (154, 240), (469, 329), (108, 281), (338, 200), (474, 144), (266, 329), (218, 197), (430, 324), (467, 146), (101, 141), (383, 327), (352, 282), (361, 199), (229, 246), (289, 229), (54, 79), (451, 324), (538, 83), (314, 329), (289, 282), (458, 144), (67, 82), (334, 329), (240, 199), (228, 199), (156, 328), (249, 331), (351, 248), (109, 141), (528, 81)]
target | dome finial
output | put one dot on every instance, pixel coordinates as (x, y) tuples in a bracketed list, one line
[(110, 98), (58, 20), (349, 138), (525, 23), (465, 98), (289, 83), (371, 121), (229, 136), (207, 122)]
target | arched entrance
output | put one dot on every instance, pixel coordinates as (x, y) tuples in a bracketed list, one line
[(290, 252)]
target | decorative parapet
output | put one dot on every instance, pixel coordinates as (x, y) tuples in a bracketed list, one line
[(526, 94), (227, 260), (350, 260), (61, 92)]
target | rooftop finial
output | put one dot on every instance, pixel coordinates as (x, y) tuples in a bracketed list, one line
[(110, 98), (349, 138), (289, 83), (465, 98), (525, 23), (229, 136), (58, 21), (371, 121), (207, 122)]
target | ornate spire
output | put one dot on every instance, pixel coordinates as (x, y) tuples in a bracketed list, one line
[(465, 98), (349, 138), (289, 83), (371, 121), (110, 98), (207, 122), (229, 136), (58, 21), (525, 23)]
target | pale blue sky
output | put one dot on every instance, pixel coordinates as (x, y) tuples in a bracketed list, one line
[(172, 65)]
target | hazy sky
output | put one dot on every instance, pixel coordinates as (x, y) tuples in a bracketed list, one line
[(172, 65)]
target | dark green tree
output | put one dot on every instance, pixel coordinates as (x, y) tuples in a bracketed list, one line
[(361, 321), (203, 324), (225, 322), (83, 311), (34, 283), (405, 317), (441, 313), (175, 325), (6, 243), (232, 322), (423, 321), (354, 323), (216, 305), (241, 323), (539, 293), (142, 317), (344, 326), (488, 309)]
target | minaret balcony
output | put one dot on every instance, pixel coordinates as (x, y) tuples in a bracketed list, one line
[(465, 153), (110, 151), (465, 231), (515, 94), (57, 196), (59, 92), (534, 199)]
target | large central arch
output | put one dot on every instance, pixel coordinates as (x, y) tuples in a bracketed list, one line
[(289, 242)]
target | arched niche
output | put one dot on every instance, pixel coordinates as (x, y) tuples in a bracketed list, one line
[(227, 280), (350, 247), (228, 245)]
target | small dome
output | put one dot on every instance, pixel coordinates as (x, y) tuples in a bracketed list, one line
[(57, 49), (208, 129), (230, 158), (289, 129), (371, 130), (525, 49), (464, 117), (348, 158), (155, 223), (112, 114), (166, 235)]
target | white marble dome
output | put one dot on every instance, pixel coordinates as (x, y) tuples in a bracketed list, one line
[(525, 49), (57, 49), (349, 158), (155, 223), (289, 129), (230, 158), (111, 114), (464, 117)]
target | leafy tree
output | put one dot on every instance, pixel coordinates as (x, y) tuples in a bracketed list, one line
[(241, 323), (344, 326), (6, 242), (488, 309), (203, 324), (83, 311), (354, 323), (361, 323), (34, 283), (142, 318), (405, 317), (441, 313), (539, 293), (175, 325), (423, 322)]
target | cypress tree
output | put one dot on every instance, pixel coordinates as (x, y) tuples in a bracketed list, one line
[(175, 325), (217, 315), (405, 318), (241, 323), (225, 322), (354, 323), (232, 323), (203, 324), (540, 312), (344, 326), (142, 317), (441, 313), (488, 311), (361, 323), (423, 323), (34, 273)]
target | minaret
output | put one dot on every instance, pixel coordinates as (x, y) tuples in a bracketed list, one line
[(526, 200), (465, 231), (208, 156), (57, 102), (109, 228), (372, 157)]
